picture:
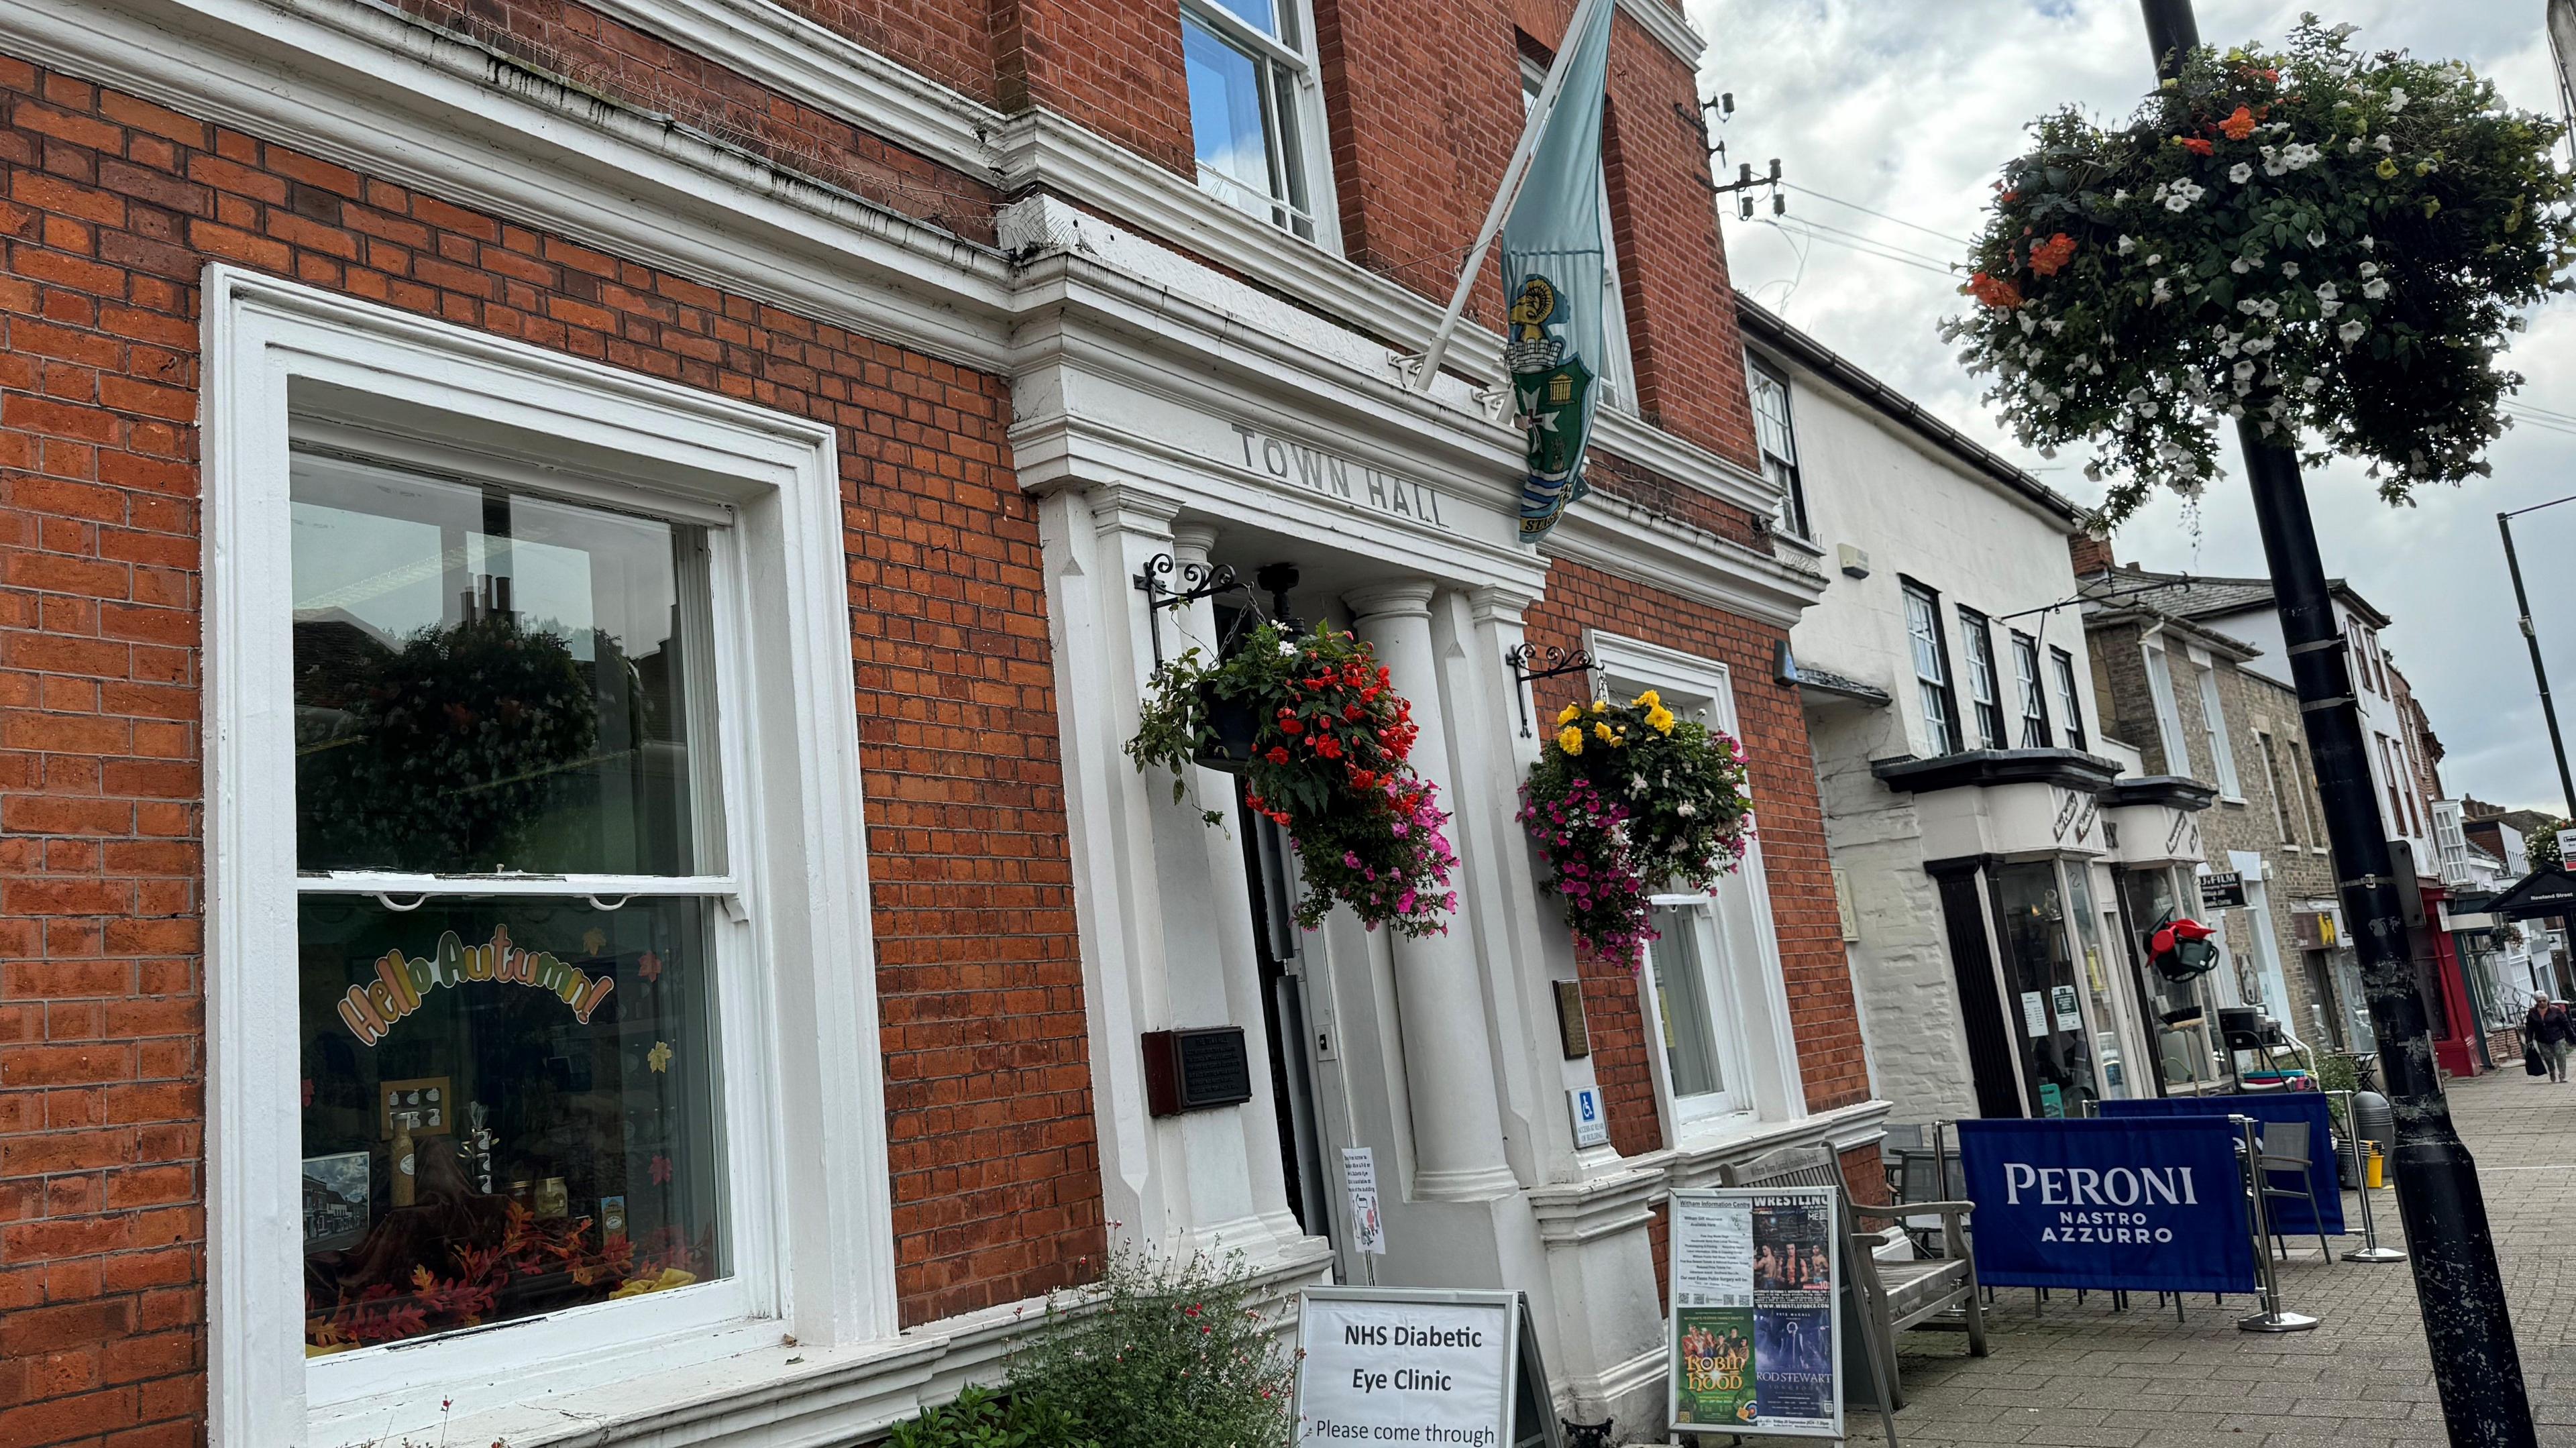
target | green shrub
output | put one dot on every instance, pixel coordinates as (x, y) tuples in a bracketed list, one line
[(979, 1420), (1157, 1354), (1167, 1354)]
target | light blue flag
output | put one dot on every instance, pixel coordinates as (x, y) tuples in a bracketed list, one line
[(1552, 262)]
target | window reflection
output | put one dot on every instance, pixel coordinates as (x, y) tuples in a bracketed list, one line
[(487, 680)]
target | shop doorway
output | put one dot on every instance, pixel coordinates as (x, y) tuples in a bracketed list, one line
[(2057, 1054), (1991, 1065)]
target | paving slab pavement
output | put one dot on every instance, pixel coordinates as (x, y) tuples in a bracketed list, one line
[(2082, 1375)]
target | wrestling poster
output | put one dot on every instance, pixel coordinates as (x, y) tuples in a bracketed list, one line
[(1756, 1345)]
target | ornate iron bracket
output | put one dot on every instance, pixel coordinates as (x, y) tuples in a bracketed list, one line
[(1559, 662), (1198, 580)]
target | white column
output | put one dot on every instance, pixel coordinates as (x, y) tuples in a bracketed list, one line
[(1163, 942), (1448, 1055), (1227, 989)]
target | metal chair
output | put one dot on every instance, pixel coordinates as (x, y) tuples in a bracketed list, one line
[(1892, 1146), (1933, 1175), (1892, 1296), (2284, 1147)]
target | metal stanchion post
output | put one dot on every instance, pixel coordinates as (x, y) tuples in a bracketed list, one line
[(2369, 1250), (2271, 1318)]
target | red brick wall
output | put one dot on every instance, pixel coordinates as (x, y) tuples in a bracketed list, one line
[(1423, 105), (113, 208), (1790, 821), (567, 39), (1425, 101), (1111, 66)]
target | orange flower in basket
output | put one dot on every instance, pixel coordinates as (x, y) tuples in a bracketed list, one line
[(1993, 291)]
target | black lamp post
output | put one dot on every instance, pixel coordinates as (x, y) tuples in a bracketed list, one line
[(2476, 1366), (2539, 671)]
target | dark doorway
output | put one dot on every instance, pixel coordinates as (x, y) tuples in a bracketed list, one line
[(1279, 949), (1981, 1010)]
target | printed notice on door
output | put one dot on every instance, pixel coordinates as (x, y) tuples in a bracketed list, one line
[(1755, 1347)]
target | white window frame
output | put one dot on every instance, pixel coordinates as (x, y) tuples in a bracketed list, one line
[(811, 1222), (2213, 729), (1936, 695), (1764, 1082), (1619, 376), (1313, 161), (2160, 688), (1985, 680), (2032, 689), (2284, 822), (1761, 375), (2061, 668), (2451, 843)]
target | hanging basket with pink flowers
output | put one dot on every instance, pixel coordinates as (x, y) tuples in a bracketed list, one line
[(1320, 737), (1628, 801)]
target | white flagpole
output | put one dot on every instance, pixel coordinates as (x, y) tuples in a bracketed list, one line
[(1513, 175)]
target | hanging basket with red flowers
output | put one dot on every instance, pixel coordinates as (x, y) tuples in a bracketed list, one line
[(1321, 739)]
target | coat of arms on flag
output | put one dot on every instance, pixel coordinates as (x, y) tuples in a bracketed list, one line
[(1548, 216), (1551, 394)]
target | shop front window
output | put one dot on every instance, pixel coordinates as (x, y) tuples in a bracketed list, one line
[(2176, 1016), (2100, 1000), (504, 791), (2047, 1012)]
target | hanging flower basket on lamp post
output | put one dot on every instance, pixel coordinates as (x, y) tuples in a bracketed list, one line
[(1627, 801), (1320, 737), (2328, 246)]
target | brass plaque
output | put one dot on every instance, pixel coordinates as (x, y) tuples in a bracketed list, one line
[(1575, 1035)]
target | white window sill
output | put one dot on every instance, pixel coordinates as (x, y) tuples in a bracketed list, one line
[(832, 1396), (783, 1393), (1799, 541), (2237, 800), (1715, 1127), (1707, 1143)]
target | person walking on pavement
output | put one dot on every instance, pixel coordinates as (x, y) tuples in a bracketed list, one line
[(2550, 1030)]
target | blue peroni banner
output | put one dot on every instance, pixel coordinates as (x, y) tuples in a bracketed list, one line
[(2290, 1215), (2147, 1205)]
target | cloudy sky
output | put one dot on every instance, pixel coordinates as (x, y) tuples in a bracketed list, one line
[(1908, 109)]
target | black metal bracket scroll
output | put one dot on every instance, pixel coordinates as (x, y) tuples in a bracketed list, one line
[(1559, 662), (1198, 580)]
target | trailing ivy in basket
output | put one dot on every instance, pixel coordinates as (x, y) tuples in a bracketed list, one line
[(2330, 245), (1627, 800), (1320, 737)]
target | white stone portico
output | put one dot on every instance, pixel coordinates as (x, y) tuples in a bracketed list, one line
[(1163, 409)]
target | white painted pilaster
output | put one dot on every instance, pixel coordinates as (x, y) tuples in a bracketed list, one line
[(1449, 1061)]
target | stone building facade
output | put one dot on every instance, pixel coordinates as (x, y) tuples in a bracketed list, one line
[(2164, 682), (815, 382), (1992, 845)]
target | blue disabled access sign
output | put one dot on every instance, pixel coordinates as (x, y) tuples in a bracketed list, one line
[(2141, 1205)]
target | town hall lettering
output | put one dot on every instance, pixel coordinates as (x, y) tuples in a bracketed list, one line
[(1339, 477)]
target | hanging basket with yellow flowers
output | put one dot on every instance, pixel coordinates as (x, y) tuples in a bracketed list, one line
[(1629, 800)]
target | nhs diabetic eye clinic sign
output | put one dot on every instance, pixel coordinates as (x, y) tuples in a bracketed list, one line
[(2143, 1205), (1390, 1366)]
